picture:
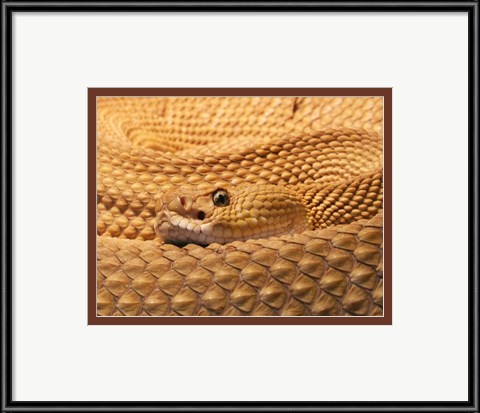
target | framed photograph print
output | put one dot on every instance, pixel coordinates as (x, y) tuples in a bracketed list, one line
[(239, 206)]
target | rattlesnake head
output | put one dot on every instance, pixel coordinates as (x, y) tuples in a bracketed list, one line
[(226, 213)]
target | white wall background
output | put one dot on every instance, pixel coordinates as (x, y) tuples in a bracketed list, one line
[(423, 356)]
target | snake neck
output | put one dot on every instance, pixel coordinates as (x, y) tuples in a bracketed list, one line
[(343, 202)]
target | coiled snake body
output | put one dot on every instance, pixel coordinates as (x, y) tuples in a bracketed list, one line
[(268, 206)]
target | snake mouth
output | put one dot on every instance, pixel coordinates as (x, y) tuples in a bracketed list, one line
[(174, 228), (180, 227)]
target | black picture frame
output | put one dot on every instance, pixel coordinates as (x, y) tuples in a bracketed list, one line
[(8, 8)]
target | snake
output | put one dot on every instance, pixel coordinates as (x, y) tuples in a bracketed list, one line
[(239, 206)]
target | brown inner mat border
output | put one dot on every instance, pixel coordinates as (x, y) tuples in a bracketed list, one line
[(386, 93)]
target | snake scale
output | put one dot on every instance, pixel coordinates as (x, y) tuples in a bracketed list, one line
[(311, 165)]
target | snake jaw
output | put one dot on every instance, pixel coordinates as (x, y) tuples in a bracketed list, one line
[(176, 218)]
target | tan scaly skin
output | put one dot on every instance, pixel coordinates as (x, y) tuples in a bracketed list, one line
[(299, 211)]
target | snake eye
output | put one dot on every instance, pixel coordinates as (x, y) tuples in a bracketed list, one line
[(220, 198)]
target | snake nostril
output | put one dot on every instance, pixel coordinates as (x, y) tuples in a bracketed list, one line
[(201, 215), (182, 201)]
